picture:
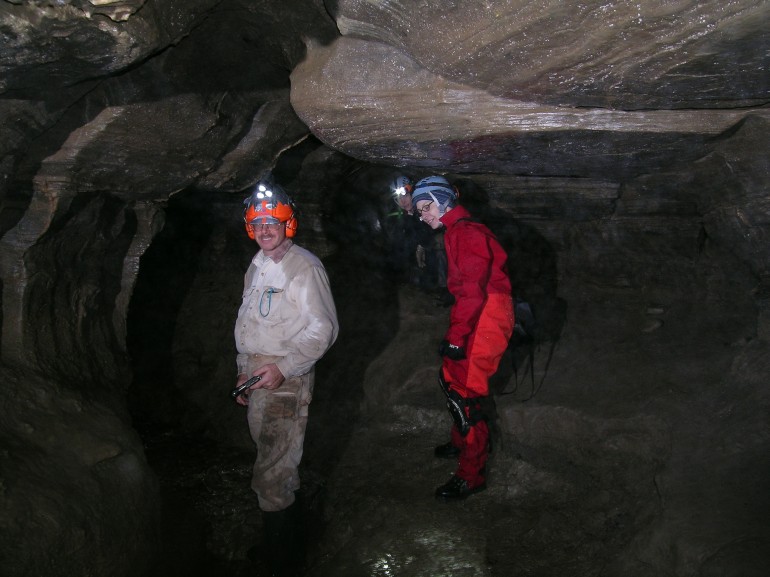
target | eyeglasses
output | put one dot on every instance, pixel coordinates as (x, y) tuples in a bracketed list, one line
[(425, 208), (270, 226)]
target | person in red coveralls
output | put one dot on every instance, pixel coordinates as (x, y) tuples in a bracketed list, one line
[(480, 324)]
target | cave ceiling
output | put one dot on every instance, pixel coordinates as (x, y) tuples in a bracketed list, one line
[(145, 98)]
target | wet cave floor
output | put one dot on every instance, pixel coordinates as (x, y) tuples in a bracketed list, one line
[(377, 516), (549, 512)]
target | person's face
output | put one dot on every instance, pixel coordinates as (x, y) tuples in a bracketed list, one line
[(429, 214), (269, 236), (405, 202)]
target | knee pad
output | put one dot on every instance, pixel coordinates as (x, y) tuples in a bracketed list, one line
[(456, 405)]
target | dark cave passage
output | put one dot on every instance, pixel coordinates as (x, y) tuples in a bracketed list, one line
[(167, 270), (160, 404)]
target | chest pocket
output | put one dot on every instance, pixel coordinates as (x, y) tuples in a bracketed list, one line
[(269, 304)]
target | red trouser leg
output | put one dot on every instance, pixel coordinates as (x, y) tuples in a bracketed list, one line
[(470, 378), (486, 345), (474, 450)]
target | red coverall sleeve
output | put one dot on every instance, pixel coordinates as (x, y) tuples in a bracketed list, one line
[(473, 262)]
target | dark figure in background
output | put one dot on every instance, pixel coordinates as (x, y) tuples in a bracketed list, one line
[(412, 257), (480, 324), (286, 323)]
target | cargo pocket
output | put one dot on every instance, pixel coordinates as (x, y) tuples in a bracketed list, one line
[(282, 406)]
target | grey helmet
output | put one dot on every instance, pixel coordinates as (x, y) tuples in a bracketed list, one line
[(437, 189)]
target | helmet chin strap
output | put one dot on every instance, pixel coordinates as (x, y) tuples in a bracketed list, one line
[(441, 207)]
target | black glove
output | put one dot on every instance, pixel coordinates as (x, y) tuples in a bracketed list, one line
[(444, 298), (451, 351)]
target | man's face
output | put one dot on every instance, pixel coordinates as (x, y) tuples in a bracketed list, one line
[(405, 202), (269, 236), (429, 214)]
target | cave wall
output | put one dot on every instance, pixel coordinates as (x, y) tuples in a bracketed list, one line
[(102, 124)]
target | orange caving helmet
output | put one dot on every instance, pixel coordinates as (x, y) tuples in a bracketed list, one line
[(269, 204)]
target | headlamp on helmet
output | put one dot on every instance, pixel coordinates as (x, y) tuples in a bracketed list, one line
[(401, 186)]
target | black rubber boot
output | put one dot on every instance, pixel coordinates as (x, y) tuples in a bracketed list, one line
[(456, 489), (285, 541)]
